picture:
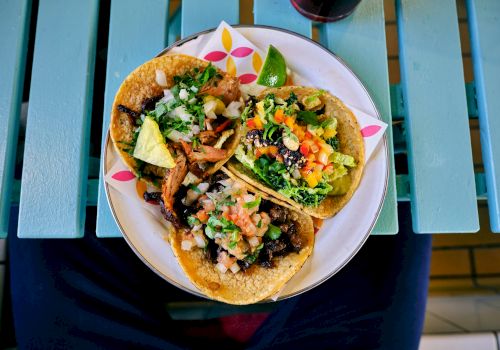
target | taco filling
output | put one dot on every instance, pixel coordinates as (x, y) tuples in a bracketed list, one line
[(291, 145), (192, 119)]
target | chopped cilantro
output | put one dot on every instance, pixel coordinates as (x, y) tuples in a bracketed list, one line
[(252, 204), (308, 117)]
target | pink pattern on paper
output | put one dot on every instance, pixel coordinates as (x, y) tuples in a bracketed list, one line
[(215, 56), (123, 176), (370, 130), (242, 52), (247, 78)]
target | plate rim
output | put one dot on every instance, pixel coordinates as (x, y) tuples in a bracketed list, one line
[(353, 252)]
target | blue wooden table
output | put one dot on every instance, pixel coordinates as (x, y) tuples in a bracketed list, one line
[(57, 179)]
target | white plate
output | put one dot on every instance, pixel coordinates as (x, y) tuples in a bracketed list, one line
[(341, 237)]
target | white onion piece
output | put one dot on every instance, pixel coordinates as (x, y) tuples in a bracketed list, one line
[(208, 125), (203, 187), (248, 198), (167, 96), (197, 228), (209, 109), (186, 245), (226, 182), (190, 179), (161, 78), (232, 110), (195, 129), (221, 267), (254, 241), (181, 113), (192, 100), (194, 89), (296, 174), (177, 136), (183, 94), (235, 267), (200, 242), (191, 196)]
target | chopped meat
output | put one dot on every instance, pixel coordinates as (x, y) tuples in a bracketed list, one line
[(290, 230), (295, 242), (278, 214), (205, 153), (272, 247), (208, 137), (227, 88), (213, 181), (152, 197), (133, 114), (244, 265), (212, 251), (172, 181), (196, 170), (149, 104)]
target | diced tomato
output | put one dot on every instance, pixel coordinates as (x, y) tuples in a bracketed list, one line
[(223, 126), (308, 135), (251, 123), (290, 122), (304, 149), (254, 123), (279, 116), (202, 216), (314, 148)]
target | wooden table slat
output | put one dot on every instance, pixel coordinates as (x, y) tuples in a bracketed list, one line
[(280, 13), (54, 178), (366, 28), (14, 26), (130, 44), (443, 193), (484, 27), (198, 16)]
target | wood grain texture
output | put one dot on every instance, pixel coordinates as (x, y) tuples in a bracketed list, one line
[(443, 194), (484, 25), (54, 178), (130, 44), (366, 28), (14, 28)]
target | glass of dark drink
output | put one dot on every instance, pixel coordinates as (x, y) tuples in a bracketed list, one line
[(325, 10)]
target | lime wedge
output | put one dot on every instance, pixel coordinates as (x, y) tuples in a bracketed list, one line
[(273, 73), (151, 147)]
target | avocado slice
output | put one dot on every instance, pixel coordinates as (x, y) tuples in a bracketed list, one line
[(340, 185), (150, 146)]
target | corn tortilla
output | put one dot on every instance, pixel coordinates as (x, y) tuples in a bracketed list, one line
[(351, 143)]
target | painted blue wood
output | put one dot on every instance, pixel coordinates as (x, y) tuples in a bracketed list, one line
[(199, 15), (174, 26), (54, 178), (280, 13), (443, 194), (14, 25), (130, 44), (484, 28), (351, 38)]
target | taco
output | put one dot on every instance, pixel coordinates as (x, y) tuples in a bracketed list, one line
[(176, 106), (303, 146), (236, 245)]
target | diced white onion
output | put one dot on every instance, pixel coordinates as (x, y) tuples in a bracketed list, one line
[(296, 174), (161, 79), (195, 129), (254, 241), (183, 94), (186, 245), (221, 267), (248, 198), (209, 109), (197, 228), (194, 89), (235, 267), (192, 100), (200, 242), (232, 110), (226, 182), (203, 187), (189, 179), (218, 235), (142, 117), (208, 125), (177, 136), (167, 96), (191, 196), (181, 113)]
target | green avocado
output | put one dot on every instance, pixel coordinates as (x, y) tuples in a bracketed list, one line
[(340, 185)]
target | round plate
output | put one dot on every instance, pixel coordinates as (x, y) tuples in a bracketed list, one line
[(341, 237)]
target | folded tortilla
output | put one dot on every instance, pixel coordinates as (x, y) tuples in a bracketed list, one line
[(255, 284), (351, 143), (140, 85)]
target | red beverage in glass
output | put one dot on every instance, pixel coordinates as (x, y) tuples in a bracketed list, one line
[(325, 10)]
